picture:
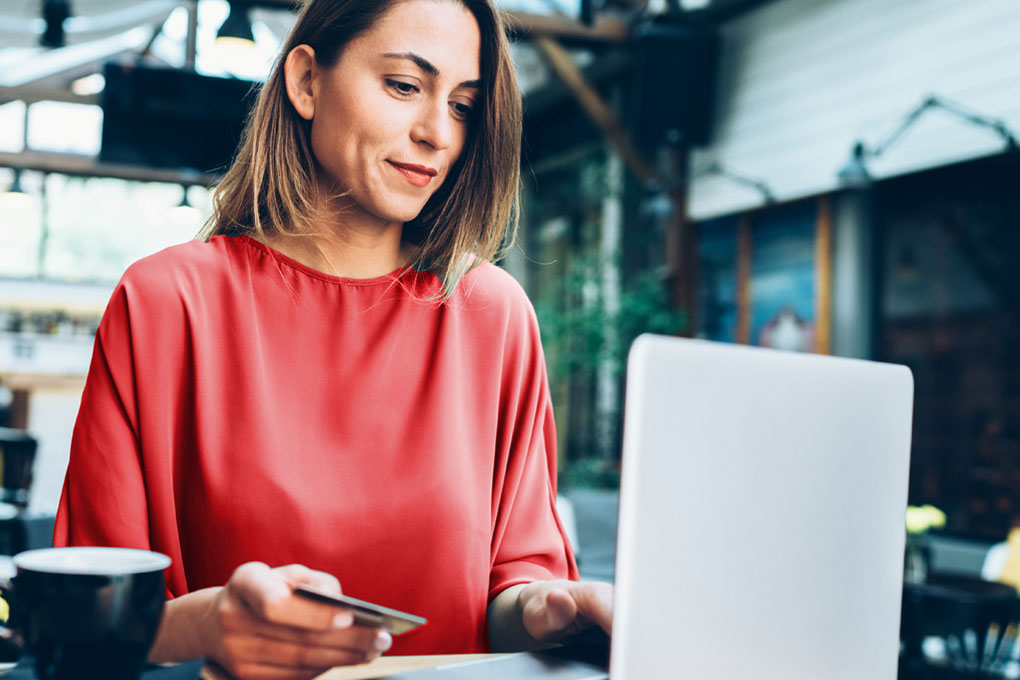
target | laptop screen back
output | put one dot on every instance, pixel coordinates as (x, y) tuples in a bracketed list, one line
[(761, 514)]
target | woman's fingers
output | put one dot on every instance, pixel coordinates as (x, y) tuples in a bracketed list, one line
[(551, 611), (289, 654), (296, 574), (361, 638), (555, 609), (269, 594), (267, 645), (595, 603), (266, 631)]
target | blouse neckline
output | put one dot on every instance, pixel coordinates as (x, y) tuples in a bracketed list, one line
[(389, 278)]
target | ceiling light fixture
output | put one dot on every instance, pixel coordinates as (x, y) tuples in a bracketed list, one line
[(15, 200), (184, 213), (54, 13), (854, 173), (235, 42), (237, 25), (15, 187)]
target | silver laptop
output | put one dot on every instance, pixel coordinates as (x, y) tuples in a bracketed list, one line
[(761, 528), (761, 514)]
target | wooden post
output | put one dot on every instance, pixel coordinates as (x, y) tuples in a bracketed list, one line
[(18, 418), (743, 332), (681, 238), (823, 277)]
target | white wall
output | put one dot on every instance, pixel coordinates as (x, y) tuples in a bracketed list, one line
[(800, 80)]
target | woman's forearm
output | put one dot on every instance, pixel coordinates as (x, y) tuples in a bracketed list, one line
[(184, 630)]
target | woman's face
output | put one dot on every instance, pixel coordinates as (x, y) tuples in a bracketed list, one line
[(390, 119)]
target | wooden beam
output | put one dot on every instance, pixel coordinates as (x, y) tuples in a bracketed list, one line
[(605, 30), (612, 66), (290, 5), (36, 93), (528, 25), (89, 166), (562, 64), (72, 59)]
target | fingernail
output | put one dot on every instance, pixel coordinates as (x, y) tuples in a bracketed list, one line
[(343, 620), (383, 641)]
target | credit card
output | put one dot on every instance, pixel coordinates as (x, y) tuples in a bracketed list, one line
[(365, 613)]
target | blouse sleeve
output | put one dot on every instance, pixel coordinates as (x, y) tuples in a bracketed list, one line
[(528, 540), (103, 500)]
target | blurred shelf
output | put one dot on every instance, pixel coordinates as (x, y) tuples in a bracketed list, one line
[(33, 357), (44, 295)]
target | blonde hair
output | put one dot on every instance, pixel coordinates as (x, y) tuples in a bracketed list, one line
[(270, 188)]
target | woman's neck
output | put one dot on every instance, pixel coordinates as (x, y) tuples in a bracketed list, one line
[(348, 248)]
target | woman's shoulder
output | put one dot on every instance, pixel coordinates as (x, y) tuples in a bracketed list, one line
[(489, 286), (191, 266)]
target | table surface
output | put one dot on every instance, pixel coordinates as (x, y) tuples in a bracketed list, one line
[(388, 665), (380, 668), (193, 670)]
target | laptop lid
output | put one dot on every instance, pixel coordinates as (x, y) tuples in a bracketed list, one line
[(762, 511)]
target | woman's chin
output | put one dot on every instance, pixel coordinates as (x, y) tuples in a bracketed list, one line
[(400, 215)]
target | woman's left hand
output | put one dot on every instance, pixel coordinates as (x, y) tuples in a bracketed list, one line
[(553, 610)]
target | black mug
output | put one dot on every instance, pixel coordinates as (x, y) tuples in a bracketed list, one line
[(88, 612)]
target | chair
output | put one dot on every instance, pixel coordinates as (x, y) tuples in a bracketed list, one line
[(17, 458), (970, 615)]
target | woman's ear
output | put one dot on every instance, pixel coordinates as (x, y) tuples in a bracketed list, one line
[(299, 72)]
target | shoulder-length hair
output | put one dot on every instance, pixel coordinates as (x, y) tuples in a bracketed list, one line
[(270, 188)]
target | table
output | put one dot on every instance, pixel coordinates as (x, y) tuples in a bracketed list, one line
[(387, 665), (379, 668)]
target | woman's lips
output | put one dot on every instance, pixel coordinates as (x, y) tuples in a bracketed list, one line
[(418, 175)]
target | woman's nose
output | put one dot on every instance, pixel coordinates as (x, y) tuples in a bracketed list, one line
[(435, 126)]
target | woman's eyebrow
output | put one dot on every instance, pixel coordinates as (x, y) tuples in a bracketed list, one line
[(427, 66)]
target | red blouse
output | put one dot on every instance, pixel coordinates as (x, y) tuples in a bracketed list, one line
[(241, 406)]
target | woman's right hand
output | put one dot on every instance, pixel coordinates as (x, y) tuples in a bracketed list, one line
[(255, 627)]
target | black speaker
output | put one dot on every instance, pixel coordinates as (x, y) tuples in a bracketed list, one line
[(171, 118), (674, 84)]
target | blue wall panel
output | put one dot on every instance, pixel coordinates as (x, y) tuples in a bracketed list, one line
[(783, 267)]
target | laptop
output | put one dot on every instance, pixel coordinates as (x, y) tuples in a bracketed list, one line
[(761, 528)]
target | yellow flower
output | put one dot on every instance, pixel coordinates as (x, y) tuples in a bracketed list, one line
[(921, 519), (5, 610)]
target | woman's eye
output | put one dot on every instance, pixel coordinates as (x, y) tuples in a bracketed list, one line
[(462, 111), (401, 87)]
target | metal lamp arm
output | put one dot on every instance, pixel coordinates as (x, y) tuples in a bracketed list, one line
[(933, 102)]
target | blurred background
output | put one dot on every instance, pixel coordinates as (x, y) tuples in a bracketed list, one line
[(831, 176)]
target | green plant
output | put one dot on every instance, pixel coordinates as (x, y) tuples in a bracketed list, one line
[(587, 327), (585, 330), (591, 473)]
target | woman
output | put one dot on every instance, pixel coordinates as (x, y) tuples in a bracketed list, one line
[(292, 391)]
